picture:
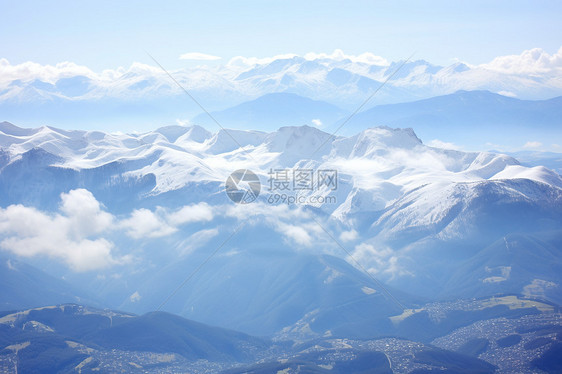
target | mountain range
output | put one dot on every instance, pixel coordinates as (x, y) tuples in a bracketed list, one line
[(71, 337), (408, 240), (159, 202), (469, 119), (24, 286), (141, 95), (75, 338), (272, 111)]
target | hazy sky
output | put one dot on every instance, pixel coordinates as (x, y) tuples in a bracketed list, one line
[(106, 34)]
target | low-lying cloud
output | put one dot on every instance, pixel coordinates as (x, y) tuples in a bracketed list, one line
[(70, 235), (532, 61), (77, 233)]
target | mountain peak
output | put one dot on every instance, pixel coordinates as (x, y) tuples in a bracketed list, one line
[(171, 133), (11, 129), (387, 137), (301, 139), (228, 140)]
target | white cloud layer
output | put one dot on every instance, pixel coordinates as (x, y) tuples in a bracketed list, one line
[(293, 223), (67, 236), (436, 143), (144, 223), (532, 61), (296, 233), (197, 240), (76, 234), (532, 144), (191, 213), (339, 55), (47, 73), (347, 236), (317, 122), (507, 93), (135, 297), (379, 260), (21, 81)]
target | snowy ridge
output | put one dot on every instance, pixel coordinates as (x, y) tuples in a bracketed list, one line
[(386, 163)]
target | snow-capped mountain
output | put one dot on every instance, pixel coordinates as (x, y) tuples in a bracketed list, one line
[(176, 156), (144, 210), (144, 94)]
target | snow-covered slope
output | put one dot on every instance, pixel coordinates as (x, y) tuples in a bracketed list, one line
[(180, 155), (409, 213), (389, 164)]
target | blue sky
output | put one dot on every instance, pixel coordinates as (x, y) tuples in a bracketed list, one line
[(106, 34)]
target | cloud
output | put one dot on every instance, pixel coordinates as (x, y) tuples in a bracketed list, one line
[(379, 260), (88, 218), (395, 269), (197, 240), (280, 211), (532, 61), (75, 234), (118, 82), (10, 265), (366, 252), (143, 81), (532, 144), (296, 233), (199, 56), (135, 297), (316, 122), (144, 223), (436, 143), (339, 55), (68, 235), (29, 71), (191, 213), (293, 223), (183, 122), (507, 93), (347, 236)]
